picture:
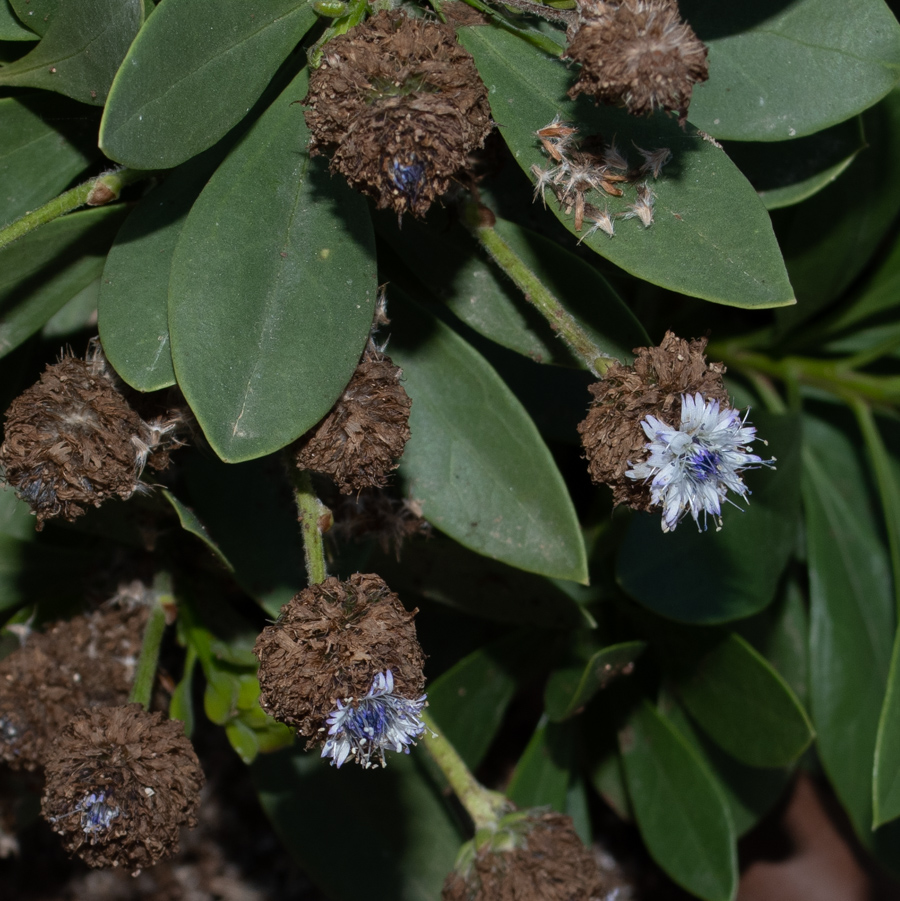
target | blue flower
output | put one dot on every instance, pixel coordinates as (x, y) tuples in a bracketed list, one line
[(377, 722), (692, 468)]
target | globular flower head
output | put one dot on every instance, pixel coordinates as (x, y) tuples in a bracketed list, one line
[(379, 721), (329, 652), (636, 53), (693, 465), (399, 105), (121, 782)]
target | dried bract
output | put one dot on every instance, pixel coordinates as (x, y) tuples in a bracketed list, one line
[(360, 442), (329, 644), (398, 104), (638, 54), (121, 782)]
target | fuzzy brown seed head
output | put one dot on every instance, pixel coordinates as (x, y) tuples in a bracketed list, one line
[(121, 782), (72, 441), (543, 860), (360, 441), (328, 644), (638, 54), (87, 661), (398, 104), (612, 435)]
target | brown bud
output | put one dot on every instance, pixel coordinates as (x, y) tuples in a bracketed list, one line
[(612, 435), (398, 104), (328, 644), (361, 440), (638, 54), (121, 782)]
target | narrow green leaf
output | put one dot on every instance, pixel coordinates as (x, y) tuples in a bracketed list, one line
[(476, 462), (194, 72), (80, 51), (191, 523), (36, 14), (544, 770), (272, 291), (570, 687), (45, 142), (778, 71), (406, 858), (11, 29), (715, 577), (679, 807), (745, 706), (711, 236), (181, 706), (40, 272)]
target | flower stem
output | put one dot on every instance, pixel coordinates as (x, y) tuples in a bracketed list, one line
[(483, 806), (96, 192), (480, 222), (145, 673), (310, 512)]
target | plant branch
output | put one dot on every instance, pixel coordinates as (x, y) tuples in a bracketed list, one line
[(310, 512)]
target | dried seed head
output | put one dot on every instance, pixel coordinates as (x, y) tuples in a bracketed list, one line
[(329, 643), (612, 434), (359, 443), (72, 441), (399, 105), (638, 54), (121, 782), (87, 661), (532, 856)]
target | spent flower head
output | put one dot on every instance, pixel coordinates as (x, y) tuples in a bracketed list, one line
[(692, 466), (379, 721)]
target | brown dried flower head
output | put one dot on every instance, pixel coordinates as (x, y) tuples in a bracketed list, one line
[(533, 856), (87, 661), (612, 435), (359, 443), (328, 644), (638, 54), (398, 104), (72, 441), (121, 782)]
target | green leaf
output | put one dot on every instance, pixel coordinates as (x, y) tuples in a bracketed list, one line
[(36, 14), (404, 856), (680, 810), (11, 29), (181, 706), (272, 291), (779, 71), (40, 272), (445, 258), (45, 142), (788, 173), (79, 313), (544, 770), (479, 689), (711, 237), (243, 740), (81, 50), (715, 577), (194, 72), (475, 461), (191, 523), (745, 706), (570, 687)]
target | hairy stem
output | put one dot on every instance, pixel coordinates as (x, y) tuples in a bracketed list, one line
[(98, 191), (145, 673), (480, 222), (310, 512)]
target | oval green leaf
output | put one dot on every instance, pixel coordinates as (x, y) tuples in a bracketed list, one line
[(711, 237), (191, 523), (679, 807), (745, 706), (11, 29), (475, 462), (272, 291), (81, 50), (779, 71), (36, 14), (544, 771), (193, 72)]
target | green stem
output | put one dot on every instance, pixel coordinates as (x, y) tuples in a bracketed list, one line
[(483, 806), (310, 511), (145, 673), (98, 191), (536, 292)]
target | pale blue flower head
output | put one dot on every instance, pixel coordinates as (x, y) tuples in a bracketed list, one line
[(379, 721), (692, 467)]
